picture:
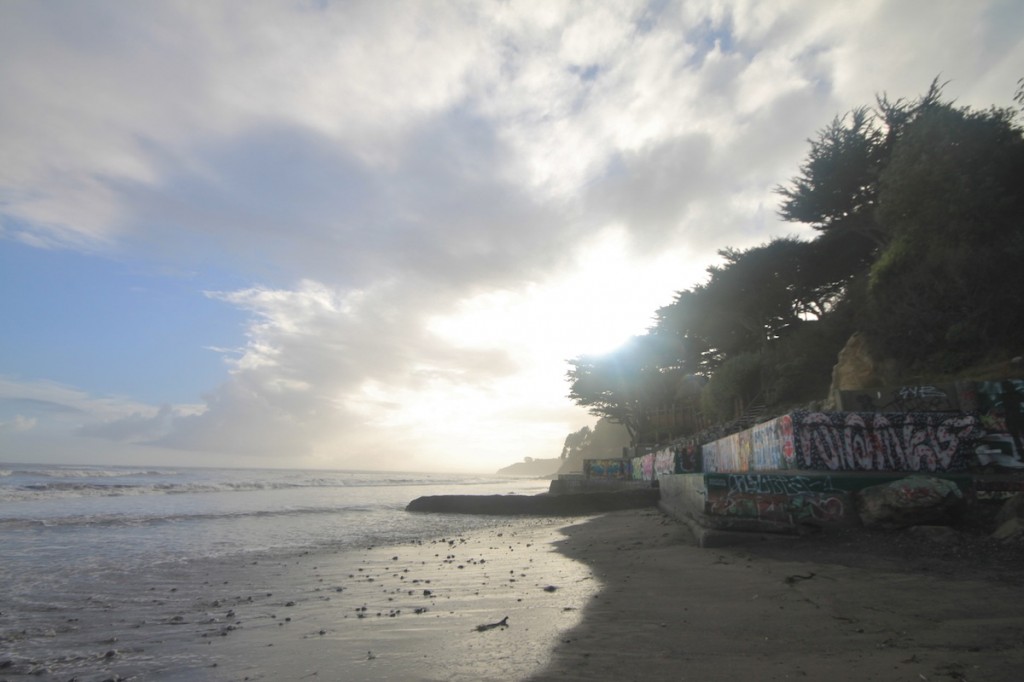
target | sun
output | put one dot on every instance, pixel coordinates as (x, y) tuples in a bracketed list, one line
[(607, 297)]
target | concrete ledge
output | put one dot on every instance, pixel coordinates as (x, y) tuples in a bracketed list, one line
[(711, 538), (571, 485), (539, 505)]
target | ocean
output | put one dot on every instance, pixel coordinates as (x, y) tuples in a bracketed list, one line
[(77, 539)]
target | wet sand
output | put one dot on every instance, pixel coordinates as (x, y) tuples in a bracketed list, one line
[(485, 606), (620, 596), (398, 612)]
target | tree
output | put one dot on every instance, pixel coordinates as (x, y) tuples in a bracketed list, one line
[(754, 297), (948, 285), (621, 386), (575, 442), (919, 216), (837, 187), (734, 385), (926, 197), (683, 327)]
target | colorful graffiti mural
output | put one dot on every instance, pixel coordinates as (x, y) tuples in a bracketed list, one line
[(789, 500), (811, 508), (637, 468), (779, 484), (674, 459), (771, 444), (727, 454), (607, 468), (850, 441), (766, 447), (688, 457), (664, 462)]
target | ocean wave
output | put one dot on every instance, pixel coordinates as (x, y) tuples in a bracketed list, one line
[(123, 520), (62, 484), (88, 473), (116, 489)]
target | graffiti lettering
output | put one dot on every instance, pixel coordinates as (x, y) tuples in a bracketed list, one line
[(902, 399), (819, 438), (772, 444), (890, 442), (807, 507), (664, 462), (606, 468), (779, 484)]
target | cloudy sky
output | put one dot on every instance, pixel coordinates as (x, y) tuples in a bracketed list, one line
[(369, 234)]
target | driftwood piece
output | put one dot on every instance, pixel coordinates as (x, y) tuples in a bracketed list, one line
[(503, 623)]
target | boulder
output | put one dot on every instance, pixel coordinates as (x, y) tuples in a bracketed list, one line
[(855, 368), (1009, 531), (911, 501), (1013, 508)]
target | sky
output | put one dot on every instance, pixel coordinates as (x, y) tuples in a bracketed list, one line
[(369, 235)]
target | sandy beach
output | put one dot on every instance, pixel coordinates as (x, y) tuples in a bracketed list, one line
[(856, 607), (619, 596)]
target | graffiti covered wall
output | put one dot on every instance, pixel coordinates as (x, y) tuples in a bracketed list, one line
[(776, 502), (850, 441), (771, 444), (607, 468), (859, 441), (942, 398), (1000, 408), (766, 447), (679, 458), (786, 500)]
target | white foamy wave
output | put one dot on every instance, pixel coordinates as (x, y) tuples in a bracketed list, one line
[(92, 473), (126, 520), (38, 483)]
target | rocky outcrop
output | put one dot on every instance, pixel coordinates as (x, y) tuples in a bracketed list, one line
[(1010, 520), (539, 505), (911, 501), (1011, 530), (855, 369), (536, 468)]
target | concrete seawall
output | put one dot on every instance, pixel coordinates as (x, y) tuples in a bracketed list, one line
[(568, 485), (539, 505)]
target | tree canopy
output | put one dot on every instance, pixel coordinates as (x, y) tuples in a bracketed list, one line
[(917, 207)]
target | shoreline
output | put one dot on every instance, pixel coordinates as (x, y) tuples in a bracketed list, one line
[(466, 585), (407, 611), (624, 595)]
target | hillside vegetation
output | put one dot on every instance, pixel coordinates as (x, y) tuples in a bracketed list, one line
[(917, 207)]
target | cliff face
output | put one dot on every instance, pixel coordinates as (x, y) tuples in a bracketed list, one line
[(605, 440)]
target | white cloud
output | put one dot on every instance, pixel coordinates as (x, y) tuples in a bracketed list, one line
[(436, 201), (18, 424), (53, 398)]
